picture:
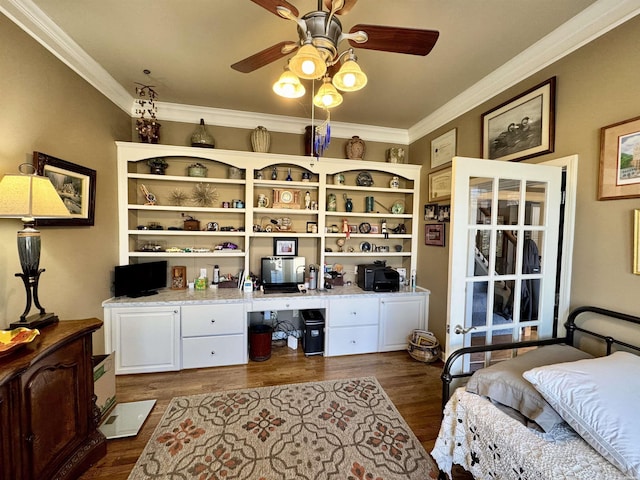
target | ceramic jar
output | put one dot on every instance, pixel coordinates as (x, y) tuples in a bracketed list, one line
[(395, 182), (355, 148), (332, 202), (260, 139), (201, 137)]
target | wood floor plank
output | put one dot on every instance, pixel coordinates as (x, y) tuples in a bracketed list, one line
[(414, 388)]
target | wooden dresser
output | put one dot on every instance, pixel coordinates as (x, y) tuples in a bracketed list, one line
[(48, 415)]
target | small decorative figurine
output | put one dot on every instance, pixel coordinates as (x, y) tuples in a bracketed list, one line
[(151, 198), (274, 174), (307, 200)]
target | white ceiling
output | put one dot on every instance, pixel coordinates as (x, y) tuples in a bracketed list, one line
[(189, 46)]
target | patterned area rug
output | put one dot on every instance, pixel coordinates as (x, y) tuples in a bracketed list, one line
[(344, 429)]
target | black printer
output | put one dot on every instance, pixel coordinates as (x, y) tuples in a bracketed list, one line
[(378, 278)]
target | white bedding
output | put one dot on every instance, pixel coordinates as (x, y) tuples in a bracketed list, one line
[(491, 445)]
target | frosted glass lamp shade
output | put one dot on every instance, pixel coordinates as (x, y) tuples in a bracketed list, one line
[(327, 96), (289, 86), (308, 63), (350, 77)]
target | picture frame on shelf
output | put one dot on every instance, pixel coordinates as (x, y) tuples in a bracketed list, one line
[(76, 186), (312, 227), (440, 184), (434, 234), (430, 211), (620, 160), (522, 127), (353, 228), (285, 246), (178, 278), (636, 241), (374, 228), (443, 148)]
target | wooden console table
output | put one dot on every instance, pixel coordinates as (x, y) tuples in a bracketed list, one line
[(47, 406)]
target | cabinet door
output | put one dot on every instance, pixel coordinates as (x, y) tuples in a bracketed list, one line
[(146, 339), (398, 317)]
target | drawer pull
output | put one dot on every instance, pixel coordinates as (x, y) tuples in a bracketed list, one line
[(213, 320), (353, 341), (213, 352)]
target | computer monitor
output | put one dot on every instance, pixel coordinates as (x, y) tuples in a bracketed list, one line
[(282, 272)]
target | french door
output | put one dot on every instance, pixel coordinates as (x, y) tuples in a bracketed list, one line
[(502, 260)]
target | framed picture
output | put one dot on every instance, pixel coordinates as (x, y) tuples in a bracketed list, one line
[(434, 234), (76, 186), (430, 211), (443, 213), (353, 228), (636, 242), (440, 185), (620, 160), (522, 127), (375, 229), (285, 246), (312, 227), (443, 148)]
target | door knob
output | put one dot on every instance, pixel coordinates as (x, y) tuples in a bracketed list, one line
[(458, 329)]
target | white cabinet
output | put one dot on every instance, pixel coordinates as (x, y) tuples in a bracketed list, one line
[(399, 315), (145, 339), (213, 335), (352, 326)]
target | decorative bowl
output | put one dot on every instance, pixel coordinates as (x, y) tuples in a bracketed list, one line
[(11, 340)]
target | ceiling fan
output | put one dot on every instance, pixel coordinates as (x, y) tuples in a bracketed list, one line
[(323, 30)]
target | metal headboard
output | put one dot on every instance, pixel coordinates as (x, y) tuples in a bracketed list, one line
[(571, 327)]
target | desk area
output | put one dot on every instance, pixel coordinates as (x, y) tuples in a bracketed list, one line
[(179, 329)]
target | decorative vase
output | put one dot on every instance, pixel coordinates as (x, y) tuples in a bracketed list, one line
[(201, 137), (355, 148), (310, 142), (395, 182), (260, 139), (331, 202), (348, 205)]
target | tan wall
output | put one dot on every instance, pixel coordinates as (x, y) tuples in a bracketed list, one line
[(48, 108), (596, 86)]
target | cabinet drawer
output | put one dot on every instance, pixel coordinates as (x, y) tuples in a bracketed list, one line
[(347, 312), (352, 340), (214, 319), (213, 351), (286, 303)]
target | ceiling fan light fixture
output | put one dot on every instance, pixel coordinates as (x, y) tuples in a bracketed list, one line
[(327, 96), (350, 77), (288, 85), (308, 63)]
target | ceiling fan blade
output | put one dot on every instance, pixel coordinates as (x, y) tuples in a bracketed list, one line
[(396, 39), (272, 6), (346, 8), (264, 57)]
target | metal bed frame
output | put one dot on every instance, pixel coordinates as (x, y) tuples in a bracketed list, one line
[(571, 327)]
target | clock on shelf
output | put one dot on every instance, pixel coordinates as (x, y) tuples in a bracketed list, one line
[(286, 198)]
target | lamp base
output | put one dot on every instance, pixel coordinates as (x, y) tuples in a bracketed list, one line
[(36, 321)]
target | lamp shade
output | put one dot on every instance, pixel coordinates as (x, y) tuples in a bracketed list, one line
[(308, 63), (288, 85), (30, 196), (350, 77), (327, 96)]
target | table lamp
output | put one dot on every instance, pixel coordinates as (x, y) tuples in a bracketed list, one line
[(29, 196)]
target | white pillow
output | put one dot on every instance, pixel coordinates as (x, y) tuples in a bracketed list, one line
[(599, 398)]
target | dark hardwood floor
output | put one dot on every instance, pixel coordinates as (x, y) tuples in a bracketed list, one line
[(414, 388)]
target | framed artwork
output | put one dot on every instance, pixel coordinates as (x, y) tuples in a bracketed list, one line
[(443, 148), (443, 213), (522, 127), (353, 228), (312, 227), (76, 186), (636, 242), (620, 160), (375, 229), (434, 234), (285, 246), (430, 211), (440, 185)]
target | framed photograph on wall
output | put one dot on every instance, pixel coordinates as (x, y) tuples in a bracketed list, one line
[(434, 234), (430, 211), (76, 186), (620, 160), (522, 127), (285, 246), (440, 185), (443, 148)]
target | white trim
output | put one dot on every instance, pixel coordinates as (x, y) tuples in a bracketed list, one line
[(595, 20)]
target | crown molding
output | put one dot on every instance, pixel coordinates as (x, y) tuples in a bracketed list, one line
[(594, 21)]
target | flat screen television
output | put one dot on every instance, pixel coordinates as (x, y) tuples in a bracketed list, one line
[(282, 273), (140, 279)]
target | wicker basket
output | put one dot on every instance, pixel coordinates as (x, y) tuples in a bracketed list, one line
[(423, 346)]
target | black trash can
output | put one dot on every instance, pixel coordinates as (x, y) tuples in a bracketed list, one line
[(313, 335), (260, 342)]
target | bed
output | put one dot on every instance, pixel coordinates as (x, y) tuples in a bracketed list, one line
[(566, 409)]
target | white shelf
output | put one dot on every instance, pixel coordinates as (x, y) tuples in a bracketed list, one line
[(184, 178), (183, 233), (216, 253)]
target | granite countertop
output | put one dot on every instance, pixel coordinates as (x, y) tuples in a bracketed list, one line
[(235, 295)]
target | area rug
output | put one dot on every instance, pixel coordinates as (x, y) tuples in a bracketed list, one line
[(342, 429)]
